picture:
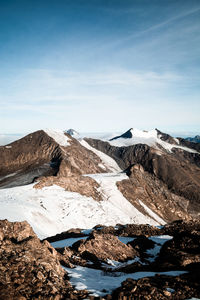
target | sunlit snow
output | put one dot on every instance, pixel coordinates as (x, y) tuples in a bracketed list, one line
[(58, 136), (53, 209), (149, 138)]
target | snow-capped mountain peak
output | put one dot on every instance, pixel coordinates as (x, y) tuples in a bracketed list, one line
[(153, 138), (72, 132)]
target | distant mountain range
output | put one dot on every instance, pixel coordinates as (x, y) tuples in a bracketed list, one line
[(195, 139)]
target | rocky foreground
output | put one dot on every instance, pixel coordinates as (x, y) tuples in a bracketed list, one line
[(121, 262)]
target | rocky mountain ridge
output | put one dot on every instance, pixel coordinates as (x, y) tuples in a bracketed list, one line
[(174, 166)]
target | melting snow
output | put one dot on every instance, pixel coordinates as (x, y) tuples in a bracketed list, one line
[(113, 264), (83, 278), (58, 136)]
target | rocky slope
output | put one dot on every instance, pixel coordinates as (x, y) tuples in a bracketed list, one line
[(45, 154), (122, 262), (168, 163), (29, 268)]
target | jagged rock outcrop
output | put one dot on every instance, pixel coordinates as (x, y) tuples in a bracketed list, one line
[(105, 246), (30, 269), (166, 137)]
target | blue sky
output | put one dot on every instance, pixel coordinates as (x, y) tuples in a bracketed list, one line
[(99, 65)]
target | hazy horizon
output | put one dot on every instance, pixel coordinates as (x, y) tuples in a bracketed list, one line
[(11, 137)]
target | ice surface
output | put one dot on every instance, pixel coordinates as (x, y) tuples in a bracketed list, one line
[(111, 193)]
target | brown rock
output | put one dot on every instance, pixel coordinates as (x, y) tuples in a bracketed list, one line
[(83, 185), (106, 246), (28, 267)]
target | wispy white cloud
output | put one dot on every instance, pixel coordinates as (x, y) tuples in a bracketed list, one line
[(95, 101)]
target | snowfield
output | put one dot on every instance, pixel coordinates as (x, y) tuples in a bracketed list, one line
[(104, 283), (58, 136), (52, 210), (150, 138)]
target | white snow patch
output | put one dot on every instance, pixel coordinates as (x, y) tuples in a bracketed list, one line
[(106, 160), (102, 166), (83, 278), (176, 140), (113, 264), (150, 138), (58, 136), (52, 210), (87, 231), (152, 214), (127, 213), (8, 147)]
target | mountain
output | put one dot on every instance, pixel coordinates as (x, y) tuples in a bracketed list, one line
[(163, 162), (195, 139), (117, 218), (57, 182)]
